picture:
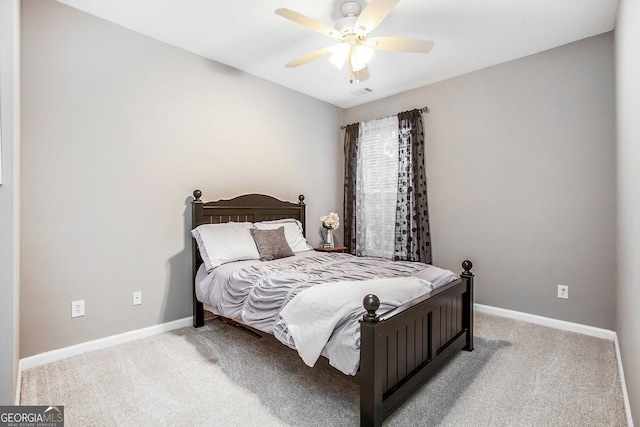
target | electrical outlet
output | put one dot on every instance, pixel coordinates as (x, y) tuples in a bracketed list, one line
[(563, 292), (137, 298), (77, 308)]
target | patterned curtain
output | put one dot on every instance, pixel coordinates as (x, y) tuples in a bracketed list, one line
[(350, 174), (412, 234)]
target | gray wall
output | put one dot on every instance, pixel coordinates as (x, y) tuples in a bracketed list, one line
[(9, 197), (521, 177), (118, 130), (628, 156)]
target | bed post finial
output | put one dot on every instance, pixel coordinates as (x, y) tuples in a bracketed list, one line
[(467, 266), (371, 303), (196, 195), (301, 199)]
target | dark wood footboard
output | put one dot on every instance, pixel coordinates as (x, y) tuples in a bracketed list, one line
[(401, 349)]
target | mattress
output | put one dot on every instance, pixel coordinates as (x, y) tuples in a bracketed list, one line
[(255, 293)]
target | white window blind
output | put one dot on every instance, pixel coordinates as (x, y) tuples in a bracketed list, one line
[(377, 187)]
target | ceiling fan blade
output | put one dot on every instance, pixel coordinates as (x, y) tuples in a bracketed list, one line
[(307, 22), (374, 14), (400, 44), (316, 54)]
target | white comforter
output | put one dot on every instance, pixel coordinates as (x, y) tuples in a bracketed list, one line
[(270, 296), (312, 316)]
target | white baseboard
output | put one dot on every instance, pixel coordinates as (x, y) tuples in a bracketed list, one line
[(625, 395), (546, 321), (571, 327), (63, 353)]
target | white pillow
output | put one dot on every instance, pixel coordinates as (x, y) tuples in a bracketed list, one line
[(292, 232), (222, 243)]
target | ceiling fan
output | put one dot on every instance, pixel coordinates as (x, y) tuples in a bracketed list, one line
[(351, 32)]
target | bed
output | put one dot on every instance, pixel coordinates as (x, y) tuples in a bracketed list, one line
[(400, 344)]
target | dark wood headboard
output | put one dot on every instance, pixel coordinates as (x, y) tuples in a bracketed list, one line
[(248, 207), (245, 208)]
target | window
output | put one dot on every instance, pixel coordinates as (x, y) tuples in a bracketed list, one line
[(386, 213), (377, 188)]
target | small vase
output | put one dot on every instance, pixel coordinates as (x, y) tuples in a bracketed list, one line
[(328, 238)]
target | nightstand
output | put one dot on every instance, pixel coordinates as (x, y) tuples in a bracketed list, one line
[(340, 249)]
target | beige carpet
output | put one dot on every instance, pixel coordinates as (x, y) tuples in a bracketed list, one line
[(520, 374)]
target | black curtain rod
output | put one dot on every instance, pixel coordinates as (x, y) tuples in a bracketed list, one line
[(422, 110)]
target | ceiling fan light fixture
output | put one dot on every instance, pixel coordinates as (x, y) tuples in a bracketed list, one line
[(360, 57), (357, 66), (364, 53), (340, 54)]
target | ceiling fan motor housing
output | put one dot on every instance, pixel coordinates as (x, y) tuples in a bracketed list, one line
[(350, 11)]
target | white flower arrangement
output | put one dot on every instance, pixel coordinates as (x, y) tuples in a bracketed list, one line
[(331, 221)]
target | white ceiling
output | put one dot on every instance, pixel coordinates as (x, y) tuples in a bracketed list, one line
[(468, 35)]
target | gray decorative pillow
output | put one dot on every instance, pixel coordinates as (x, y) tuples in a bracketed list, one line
[(272, 244)]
